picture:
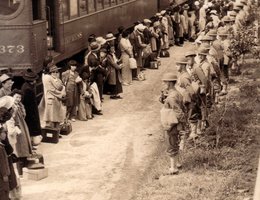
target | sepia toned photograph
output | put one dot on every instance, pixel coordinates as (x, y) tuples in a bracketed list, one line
[(129, 100)]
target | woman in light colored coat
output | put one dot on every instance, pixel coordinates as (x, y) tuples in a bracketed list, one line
[(54, 90), (126, 53)]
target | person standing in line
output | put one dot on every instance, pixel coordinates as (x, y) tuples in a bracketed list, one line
[(23, 145), (29, 100), (4, 168), (114, 77), (173, 101), (97, 71), (70, 79), (126, 53), (54, 91)]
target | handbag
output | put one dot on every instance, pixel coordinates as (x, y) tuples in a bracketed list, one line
[(132, 63), (168, 118), (66, 127)]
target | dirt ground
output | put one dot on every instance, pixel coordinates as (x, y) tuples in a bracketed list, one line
[(106, 158)]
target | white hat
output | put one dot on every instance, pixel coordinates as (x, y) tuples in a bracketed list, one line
[(147, 21), (140, 27), (213, 12), (6, 101), (197, 3), (163, 12), (4, 78), (100, 40)]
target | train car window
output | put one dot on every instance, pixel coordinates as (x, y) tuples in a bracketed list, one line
[(107, 3), (91, 6), (36, 7), (83, 9), (73, 9), (120, 1), (65, 10), (100, 4), (113, 2), (8, 7)]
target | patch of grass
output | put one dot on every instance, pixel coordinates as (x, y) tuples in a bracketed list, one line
[(222, 164)]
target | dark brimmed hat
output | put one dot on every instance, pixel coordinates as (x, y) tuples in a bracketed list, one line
[(29, 75), (54, 68), (94, 46), (169, 77), (72, 63), (182, 60), (110, 37), (4, 77), (186, 7)]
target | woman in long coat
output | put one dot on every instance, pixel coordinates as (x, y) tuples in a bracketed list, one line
[(126, 53), (114, 77), (54, 90), (31, 106)]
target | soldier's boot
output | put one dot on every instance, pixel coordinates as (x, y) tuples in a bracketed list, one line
[(199, 131), (173, 169), (193, 130), (224, 90), (179, 161)]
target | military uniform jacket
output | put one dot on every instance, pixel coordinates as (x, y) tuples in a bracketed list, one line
[(174, 101)]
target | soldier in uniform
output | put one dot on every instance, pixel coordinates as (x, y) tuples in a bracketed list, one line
[(173, 101), (197, 78), (205, 85), (226, 61)]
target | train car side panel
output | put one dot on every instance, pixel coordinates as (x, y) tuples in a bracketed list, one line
[(74, 33)]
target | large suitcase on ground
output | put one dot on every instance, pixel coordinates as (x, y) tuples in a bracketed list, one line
[(154, 65), (50, 135)]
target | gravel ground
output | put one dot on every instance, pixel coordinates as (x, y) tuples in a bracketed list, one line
[(105, 158)]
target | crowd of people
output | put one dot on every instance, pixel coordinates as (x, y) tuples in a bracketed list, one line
[(113, 62), (203, 72)]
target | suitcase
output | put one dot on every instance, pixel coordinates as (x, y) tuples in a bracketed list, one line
[(164, 54), (154, 65), (50, 135), (66, 128)]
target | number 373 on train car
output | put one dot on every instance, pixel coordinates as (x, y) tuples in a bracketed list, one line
[(11, 49)]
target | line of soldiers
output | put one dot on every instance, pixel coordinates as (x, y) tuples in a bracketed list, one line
[(203, 75)]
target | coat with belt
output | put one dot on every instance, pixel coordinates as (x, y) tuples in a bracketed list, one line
[(54, 90), (114, 70), (72, 94), (31, 107)]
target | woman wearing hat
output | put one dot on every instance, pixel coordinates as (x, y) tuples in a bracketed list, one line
[(173, 101), (7, 83), (54, 91), (31, 106), (126, 53), (114, 77), (10, 184)]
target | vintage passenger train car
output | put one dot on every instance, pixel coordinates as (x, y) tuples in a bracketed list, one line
[(32, 29)]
